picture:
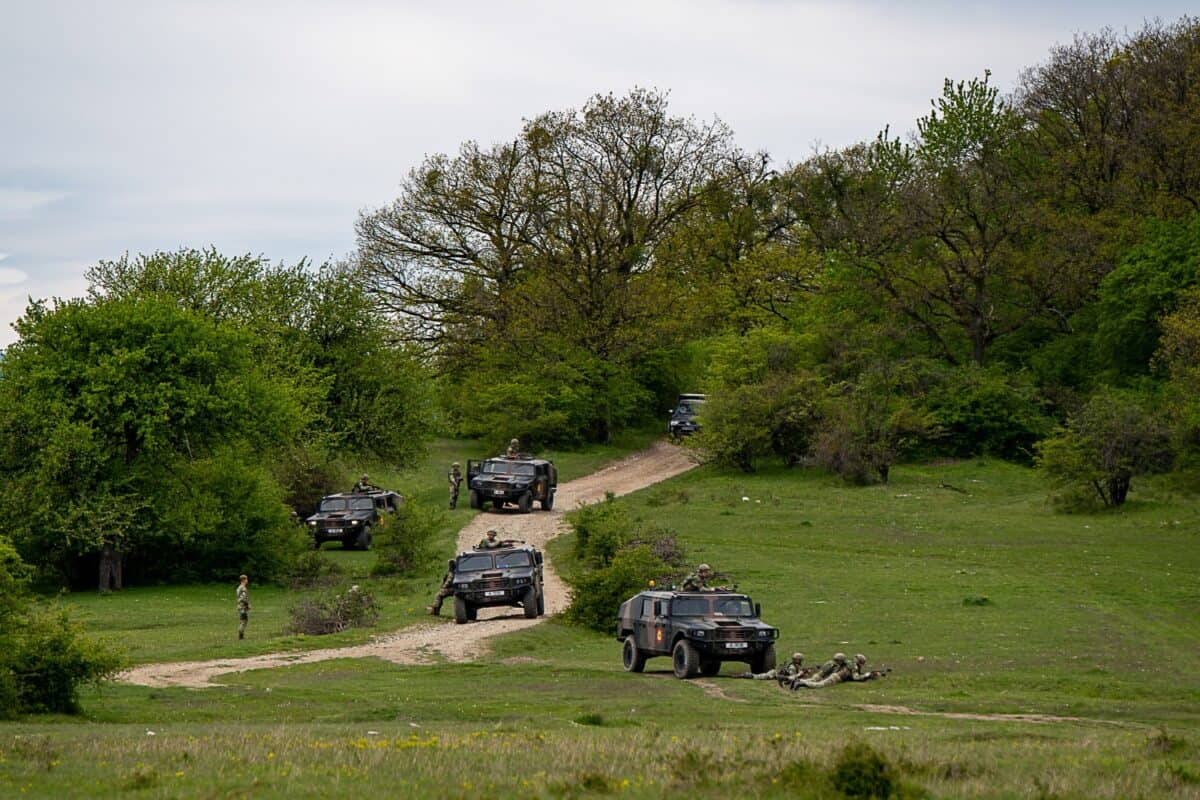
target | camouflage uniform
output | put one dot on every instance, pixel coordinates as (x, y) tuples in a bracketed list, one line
[(698, 580), (843, 672), (363, 486), (446, 590), (490, 543), (243, 605), (790, 671), (514, 449), (455, 477)]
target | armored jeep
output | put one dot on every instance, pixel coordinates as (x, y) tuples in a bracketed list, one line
[(683, 418), (510, 575), (519, 480), (350, 517), (698, 630)]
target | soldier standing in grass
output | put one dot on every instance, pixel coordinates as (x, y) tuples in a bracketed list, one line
[(447, 589), (243, 604), (455, 477)]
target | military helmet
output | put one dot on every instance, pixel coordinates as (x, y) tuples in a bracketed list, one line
[(704, 568), (797, 657), (364, 477), (493, 532), (860, 659), (514, 441), (839, 658), (456, 464)]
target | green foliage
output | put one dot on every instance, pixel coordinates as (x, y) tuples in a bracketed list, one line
[(1112, 439), (334, 612), (405, 544), (596, 595), (601, 530), (987, 412), (859, 771), (311, 568), (1142, 289)]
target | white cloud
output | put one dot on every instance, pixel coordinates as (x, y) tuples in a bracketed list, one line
[(18, 203), (11, 277)]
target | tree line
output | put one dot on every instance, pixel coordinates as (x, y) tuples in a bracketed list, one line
[(998, 281)]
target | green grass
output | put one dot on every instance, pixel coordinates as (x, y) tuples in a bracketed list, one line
[(1090, 616)]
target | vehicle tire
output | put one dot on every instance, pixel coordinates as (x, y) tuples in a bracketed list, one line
[(530, 603), (363, 542), (316, 543), (764, 662), (472, 612), (525, 503), (476, 502), (710, 668), (685, 660), (632, 658), (461, 611), (542, 601), (548, 503)]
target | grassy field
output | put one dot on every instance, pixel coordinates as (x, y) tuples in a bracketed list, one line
[(984, 601)]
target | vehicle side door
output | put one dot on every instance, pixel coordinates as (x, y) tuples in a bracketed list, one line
[(658, 632), (642, 612)]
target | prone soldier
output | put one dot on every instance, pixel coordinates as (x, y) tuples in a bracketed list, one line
[(790, 671)]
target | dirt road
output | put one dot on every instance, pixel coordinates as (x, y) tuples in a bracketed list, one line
[(422, 644)]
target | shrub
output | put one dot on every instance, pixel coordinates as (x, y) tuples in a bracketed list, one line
[(984, 412), (334, 613), (861, 772), (406, 545), (596, 596), (312, 567), (601, 529)]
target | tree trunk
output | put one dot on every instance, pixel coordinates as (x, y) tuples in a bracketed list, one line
[(1118, 488), (110, 568)]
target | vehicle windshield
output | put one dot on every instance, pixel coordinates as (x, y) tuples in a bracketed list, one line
[(517, 558), (738, 606), (474, 563), (362, 504), (507, 468), (689, 408), (333, 504)]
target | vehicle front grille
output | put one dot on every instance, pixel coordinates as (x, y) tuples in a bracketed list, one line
[(735, 634), (495, 583)]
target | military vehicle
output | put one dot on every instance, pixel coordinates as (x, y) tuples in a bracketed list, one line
[(350, 517), (519, 480), (510, 575), (698, 630), (683, 418)]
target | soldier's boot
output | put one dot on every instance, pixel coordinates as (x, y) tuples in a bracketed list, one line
[(434, 610)]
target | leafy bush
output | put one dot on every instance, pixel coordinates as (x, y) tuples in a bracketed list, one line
[(596, 596), (601, 529), (861, 772), (406, 542), (334, 613), (312, 567), (866, 429), (986, 412), (1104, 446)]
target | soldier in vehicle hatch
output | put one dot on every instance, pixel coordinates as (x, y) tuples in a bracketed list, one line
[(364, 485), (698, 580), (514, 449), (491, 542)]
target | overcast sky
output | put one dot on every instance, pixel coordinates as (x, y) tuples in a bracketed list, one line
[(264, 127)]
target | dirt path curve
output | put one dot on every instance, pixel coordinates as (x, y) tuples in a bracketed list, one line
[(424, 644)]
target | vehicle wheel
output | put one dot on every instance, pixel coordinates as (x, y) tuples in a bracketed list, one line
[(530, 603), (710, 668), (472, 612), (461, 612), (525, 503), (548, 503), (476, 503), (316, 543), (632, 659), (764, 662), (542, 601), (685, 659), (363, 542)]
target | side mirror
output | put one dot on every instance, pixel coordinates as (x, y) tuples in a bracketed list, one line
[(538, 556), (758, 609)]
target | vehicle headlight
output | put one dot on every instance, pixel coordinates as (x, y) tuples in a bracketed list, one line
[(353, 522), (462, 585), (699, 633), (312, 522), (764, 634)]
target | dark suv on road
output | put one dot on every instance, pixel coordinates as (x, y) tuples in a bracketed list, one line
[(698, 630), (683, 418), (518, 480), (506, 576), (350, 517)]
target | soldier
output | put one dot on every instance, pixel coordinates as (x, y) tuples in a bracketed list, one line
[(792, 670), (491, 542), (455, 477), (243, 604), (364, 485), (447, 589), (514, 449), (698, 580), (844, 672)]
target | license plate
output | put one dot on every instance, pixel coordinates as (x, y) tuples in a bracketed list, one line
[(497, 593), (497, 491), (335, 530), (737, 645)]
